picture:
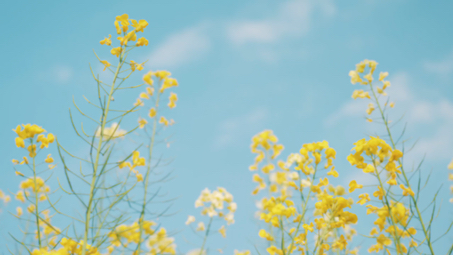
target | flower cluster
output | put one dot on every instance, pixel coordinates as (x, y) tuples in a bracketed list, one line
[(111, 132), (136, 161), (358, 76)]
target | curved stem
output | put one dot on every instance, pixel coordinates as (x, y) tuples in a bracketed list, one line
[(425, 232)]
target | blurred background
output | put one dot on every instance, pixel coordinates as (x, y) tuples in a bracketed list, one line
[(242, 66)]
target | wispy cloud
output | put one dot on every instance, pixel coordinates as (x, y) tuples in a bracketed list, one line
[(236, 129), (443, 67), (181, 48), (420, 114), (292, 18)]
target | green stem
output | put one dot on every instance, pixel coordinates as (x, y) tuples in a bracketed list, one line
[(206, 236), (148, 171), (98, 152), (425, 232), (35, 190)]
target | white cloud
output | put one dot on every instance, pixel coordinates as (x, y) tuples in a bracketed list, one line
[(235, 129), (181, 48), (62, 73), (399, 92), (442, 67), (292, 18), (421, 115)]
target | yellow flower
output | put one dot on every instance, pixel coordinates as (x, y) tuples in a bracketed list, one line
[(173, 98), (163, 120), (105, 63), (406, 191), (369, 77), (222, 231), (19, 173), (359, 93), (117, 26), (144, 95), (333, 173), (19, 211), (139, 102), (392, 104), (20, 142), (308, 227), (150, 91), (49, 159), (123, 19), (381, 91), (142, 122), (142, 42), (353, 186), (148, 78), (162, 74), (383, 75), (265, 235), (370, 108), (116, 51), (140, 25), (190, 219), (363, 199), (152, 113), (32, 150), (355, 77), (107, 41), (200, 226), (386, 84)]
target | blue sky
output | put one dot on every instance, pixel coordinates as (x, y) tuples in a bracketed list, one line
[(243, 66)]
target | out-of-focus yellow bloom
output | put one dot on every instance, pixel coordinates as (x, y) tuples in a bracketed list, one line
[(117, 26), (124, 20), (19, 173), (246, 252), (32, 150), (105, 63), (107, 41), (222, 231), (368, 77), (363, 199), (406, 191), (139, 102), (134, 66), (359, 93), (162, 120), (173, 98), (150, 91), (200, 226), (392, 104), (370, 108), (152, 112), (148, 78), (355, 77), (190, 219), (19, 211), (140, 25), (263, 234), (168, 83), (381, 91), (116, 51), (383, 75), (144, 95), (162, 74), (49, 159), (142, 122), (386, 84), (353, 186), (142, 41)]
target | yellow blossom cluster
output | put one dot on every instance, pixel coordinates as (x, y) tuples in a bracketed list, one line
[(381, 155), (164, 82), (69, 247), (29, 132), (214, 203), (125, 234), (136, 161), (358, 76)]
